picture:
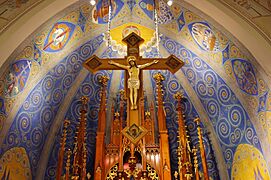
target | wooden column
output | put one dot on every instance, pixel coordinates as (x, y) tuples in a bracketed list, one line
[(183, 153), (99, 171), (202, 151), (122, 102), (152, 119), (80, 150), (164, 144), (144, 139), (112, 122), (196, 165), (68, 164), (62, 150)]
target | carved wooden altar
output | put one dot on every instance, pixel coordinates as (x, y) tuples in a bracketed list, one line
[(135, 150)]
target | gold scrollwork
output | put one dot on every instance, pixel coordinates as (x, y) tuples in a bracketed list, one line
[(113, 172), (152, 174)]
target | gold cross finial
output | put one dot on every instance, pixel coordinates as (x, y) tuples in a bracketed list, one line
[(178, 96), (158, 77), (148, 114), (197, 120), (122, 92), (103, 80), (84, 100), (66, 123), (117, 114)]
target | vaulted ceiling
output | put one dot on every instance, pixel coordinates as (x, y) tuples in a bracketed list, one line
[(225, 78)]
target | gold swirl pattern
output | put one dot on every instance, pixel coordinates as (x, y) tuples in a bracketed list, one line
[(39, 40), (262, 88)]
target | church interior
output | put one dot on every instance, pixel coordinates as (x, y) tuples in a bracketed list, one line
[(194, 104)]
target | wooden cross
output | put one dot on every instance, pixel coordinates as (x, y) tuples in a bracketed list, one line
[(133, 41)]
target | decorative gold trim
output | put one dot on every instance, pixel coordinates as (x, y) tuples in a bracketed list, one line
[(113, 172)]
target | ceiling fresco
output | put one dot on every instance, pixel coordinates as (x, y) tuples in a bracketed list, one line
[(15, 164), (45, 80), (118, 33), (246, 160), (256, 11), (10, 10), (35, 116)]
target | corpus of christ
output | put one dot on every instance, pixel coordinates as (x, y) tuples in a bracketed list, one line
[(138, 150)]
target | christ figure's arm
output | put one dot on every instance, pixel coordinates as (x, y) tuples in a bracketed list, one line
[(147, 64), (118, 65)]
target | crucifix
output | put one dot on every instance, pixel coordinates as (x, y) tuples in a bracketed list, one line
[(133, 63)]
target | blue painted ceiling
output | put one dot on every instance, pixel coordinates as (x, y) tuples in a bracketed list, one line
[(217, 80)]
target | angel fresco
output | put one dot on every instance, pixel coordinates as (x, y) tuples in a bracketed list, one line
[(101, 12), (16, 77), (204, 36)]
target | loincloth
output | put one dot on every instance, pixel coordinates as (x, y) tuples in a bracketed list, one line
[(133, 83)]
